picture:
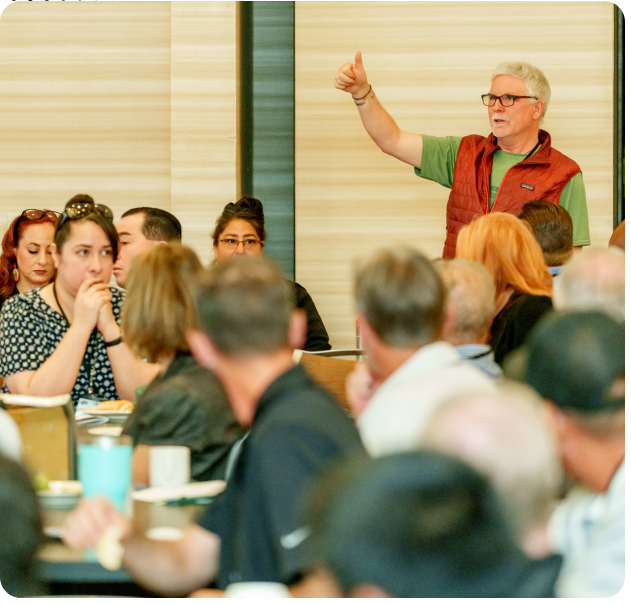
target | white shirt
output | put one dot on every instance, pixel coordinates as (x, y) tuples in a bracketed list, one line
[(395, 417), (588, 530)]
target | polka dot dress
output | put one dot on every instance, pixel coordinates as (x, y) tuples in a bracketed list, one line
[(30, 331)]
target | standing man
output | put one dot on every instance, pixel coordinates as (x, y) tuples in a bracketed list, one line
[(138, 230), (513, 165)]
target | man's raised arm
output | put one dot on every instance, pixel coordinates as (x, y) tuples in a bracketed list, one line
[(405, 146)]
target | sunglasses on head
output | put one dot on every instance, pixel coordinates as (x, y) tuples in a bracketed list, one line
[(79, 209), (34, 215)]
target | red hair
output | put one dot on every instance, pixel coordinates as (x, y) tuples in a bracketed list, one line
[(508, 249), (9, 243)]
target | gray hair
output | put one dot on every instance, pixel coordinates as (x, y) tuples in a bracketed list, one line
[(536, 82), (402, 297), (505, 436), (592, 281), (471, 290)]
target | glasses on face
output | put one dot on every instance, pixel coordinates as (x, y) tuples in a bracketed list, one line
[(76, 210), (249, 244), (34, 215), (505, 100)]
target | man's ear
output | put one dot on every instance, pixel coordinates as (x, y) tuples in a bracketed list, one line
[(449, 321), (366, 332), (538, 109), (297, 334), (368, 591), (556, 419), (202, 349), (55, 254), (162, 243)]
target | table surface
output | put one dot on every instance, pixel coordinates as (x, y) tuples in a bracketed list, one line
[(61, 564)]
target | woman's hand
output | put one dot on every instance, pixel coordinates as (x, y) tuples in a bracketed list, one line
[(106, 322), (351, 77), (93, 294)]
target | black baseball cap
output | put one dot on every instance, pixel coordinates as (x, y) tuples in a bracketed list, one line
[(576, 360)]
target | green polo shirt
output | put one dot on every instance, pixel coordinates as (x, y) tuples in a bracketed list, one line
[(439, 159)]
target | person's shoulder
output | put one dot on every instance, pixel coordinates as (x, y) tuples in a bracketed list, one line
[(28, 302)]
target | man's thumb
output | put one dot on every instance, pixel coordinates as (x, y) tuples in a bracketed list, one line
[(358, 60)]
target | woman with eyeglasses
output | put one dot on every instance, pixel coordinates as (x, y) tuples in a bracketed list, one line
[(65, 337), (26, 261), (240, 229)]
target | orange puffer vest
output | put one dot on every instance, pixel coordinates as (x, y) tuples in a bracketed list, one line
[(542, 176)]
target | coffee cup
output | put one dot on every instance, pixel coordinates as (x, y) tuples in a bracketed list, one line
[(169, 465)]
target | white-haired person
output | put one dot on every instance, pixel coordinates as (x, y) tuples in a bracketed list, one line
[(505, 435), (471, 296), (513, 165), (592, 281)]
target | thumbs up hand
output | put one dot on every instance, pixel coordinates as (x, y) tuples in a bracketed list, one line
[(351, 77)]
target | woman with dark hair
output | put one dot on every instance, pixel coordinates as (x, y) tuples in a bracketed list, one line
[(26, 261), (240, 229), (64, 337)]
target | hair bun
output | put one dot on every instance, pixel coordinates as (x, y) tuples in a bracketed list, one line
[(251, 203)]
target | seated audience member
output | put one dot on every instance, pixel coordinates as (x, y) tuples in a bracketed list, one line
[(240, 229), (185, 404), (617, 237), (416, 524), (523, 286), (552, 227), (26, 262), (400, 303), (248, 329), (471, 294), (576, 362), (506, 437), (139, 230), (64, 337), (20, 532), (10, 438), (592, 280)]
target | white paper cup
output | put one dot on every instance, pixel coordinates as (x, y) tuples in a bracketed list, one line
[(169, 465), (257, 590)]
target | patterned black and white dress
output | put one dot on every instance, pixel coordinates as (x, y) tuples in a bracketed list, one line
[(30, 330)]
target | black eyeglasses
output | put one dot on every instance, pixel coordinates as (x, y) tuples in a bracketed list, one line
[(505, 100), (33, 215), (75, 210)]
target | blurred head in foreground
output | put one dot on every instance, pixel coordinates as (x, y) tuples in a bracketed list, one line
[(418, 524), (576, 363), (505, 436), (592, 280)]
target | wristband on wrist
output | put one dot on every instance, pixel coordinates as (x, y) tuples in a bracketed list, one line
[(113, 343), (362, 100)]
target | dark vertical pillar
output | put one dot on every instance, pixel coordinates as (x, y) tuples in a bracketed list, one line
[(618, 123), (267, 121)]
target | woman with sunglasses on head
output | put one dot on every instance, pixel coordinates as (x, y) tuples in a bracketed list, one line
[(26, 260), (240, 229), (65, 337)]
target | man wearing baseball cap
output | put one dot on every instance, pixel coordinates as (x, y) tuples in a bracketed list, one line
[(576, 362)]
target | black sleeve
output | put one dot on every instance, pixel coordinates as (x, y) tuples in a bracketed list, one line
[(521, 320), (317, 336)]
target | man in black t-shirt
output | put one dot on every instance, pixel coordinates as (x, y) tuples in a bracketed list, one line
[(248, 329)]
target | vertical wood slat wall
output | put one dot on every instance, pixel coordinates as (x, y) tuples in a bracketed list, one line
[(131, 102), (429, 62)]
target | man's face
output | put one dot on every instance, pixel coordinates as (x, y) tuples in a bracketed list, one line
[(132, 243), (520, 120)]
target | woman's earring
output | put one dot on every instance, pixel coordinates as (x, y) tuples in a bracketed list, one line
[(16, 273)]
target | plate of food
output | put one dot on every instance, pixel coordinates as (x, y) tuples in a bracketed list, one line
[(59, 494), (114, 411)]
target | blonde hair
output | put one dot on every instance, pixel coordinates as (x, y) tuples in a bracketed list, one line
[(508, 249), (534, 79), (159, 306)]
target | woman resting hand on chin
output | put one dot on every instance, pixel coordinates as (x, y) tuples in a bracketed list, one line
[(64, 337)]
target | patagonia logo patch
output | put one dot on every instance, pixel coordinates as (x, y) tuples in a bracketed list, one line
[(527, 186)]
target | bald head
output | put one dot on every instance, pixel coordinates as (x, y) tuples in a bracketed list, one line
[(503, 435), (592, 281)]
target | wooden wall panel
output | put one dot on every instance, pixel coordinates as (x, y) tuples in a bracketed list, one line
[(429, 62), (203, 117), (131, 102)]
